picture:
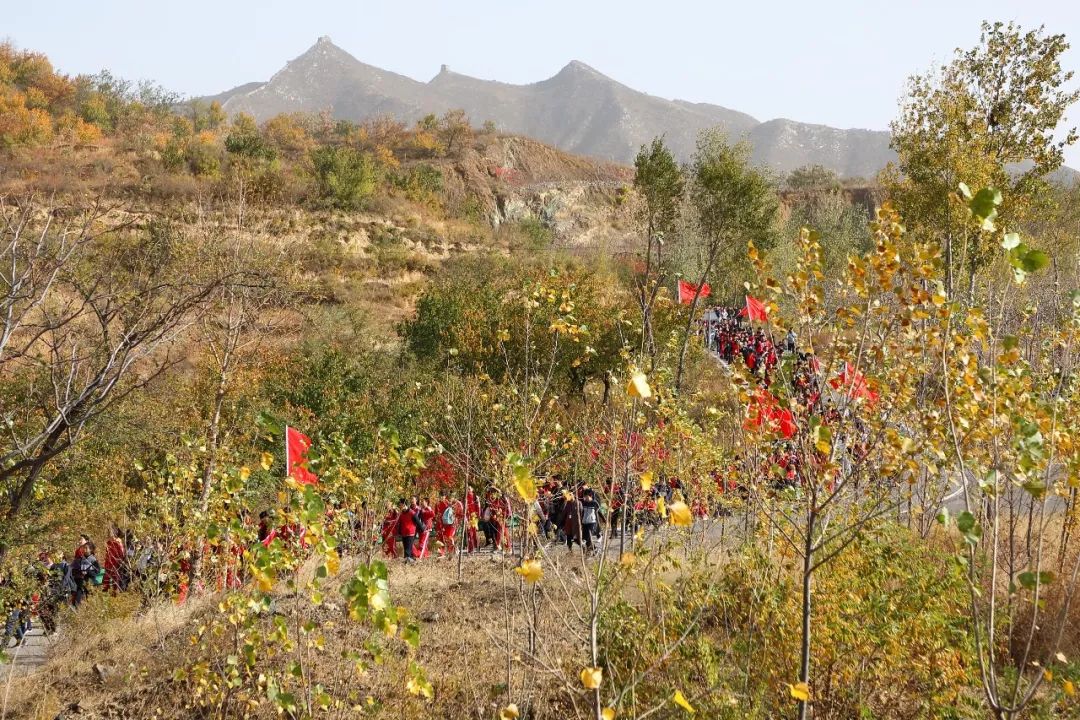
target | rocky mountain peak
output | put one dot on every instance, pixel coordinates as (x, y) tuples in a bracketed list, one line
[(579, 109)]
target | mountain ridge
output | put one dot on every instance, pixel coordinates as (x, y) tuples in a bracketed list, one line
[(578, 109)]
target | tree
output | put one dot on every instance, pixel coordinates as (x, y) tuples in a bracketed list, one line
[(988, 119), (734, 204), (454, 129), (813, 177), (233, 329), (245, 140), (659, 182), (345, 177), (81, 340)]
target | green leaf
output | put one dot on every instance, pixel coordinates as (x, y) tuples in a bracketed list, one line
[(1009, 342), (1035, 260), (1036, 488), (965, 523), (984, 206), (1029, 580), (943, 516)]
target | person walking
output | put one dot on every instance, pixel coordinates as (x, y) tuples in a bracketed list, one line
[(408, 525), (115, 558)]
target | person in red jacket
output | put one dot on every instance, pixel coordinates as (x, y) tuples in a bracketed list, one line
[(427, 516), (389, 531), (472, 521), (446, 524), (115, 555), (500, 521), (407, 527)]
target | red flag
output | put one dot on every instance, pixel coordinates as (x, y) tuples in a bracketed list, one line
[(296, 447), (754, 310), (854, 384), (687, 290), (765, 412)]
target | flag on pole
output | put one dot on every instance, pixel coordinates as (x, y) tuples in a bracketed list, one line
[(296, 460), (765, 413), (854, 384), (687, 291), (754, 310)]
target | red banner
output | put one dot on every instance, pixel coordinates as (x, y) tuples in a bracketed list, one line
[(755, 310), (854, 384), (296, 460), (687, 291)]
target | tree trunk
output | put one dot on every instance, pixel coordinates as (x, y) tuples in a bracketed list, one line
[(804, 665), (212, 435), (690, 318)]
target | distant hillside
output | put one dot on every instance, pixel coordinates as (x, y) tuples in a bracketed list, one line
[(579, 110)]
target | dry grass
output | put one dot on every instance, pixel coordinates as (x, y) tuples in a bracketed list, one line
[(464, 628)]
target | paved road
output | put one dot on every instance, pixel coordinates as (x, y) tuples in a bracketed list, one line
[(25, 659)]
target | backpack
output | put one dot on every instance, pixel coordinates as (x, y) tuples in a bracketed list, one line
[(588, 516), (448, 517)]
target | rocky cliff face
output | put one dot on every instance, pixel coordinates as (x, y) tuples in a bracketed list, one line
[(579, 110)]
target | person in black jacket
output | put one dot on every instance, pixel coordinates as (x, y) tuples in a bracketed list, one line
[(84, 572)]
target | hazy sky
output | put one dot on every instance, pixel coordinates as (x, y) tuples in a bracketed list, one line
[(838, 62)]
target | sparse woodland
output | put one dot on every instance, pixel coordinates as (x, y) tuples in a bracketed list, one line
[(447, 310)]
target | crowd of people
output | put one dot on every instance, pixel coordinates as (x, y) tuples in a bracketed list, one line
[(418, 528), (58, 579), (565, 513)]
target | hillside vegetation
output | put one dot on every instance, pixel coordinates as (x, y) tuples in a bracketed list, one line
[(825, 430)]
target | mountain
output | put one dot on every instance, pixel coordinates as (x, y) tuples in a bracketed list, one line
[(579, 109)]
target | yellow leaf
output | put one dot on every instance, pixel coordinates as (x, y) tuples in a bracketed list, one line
[(679, 699), (1048, 676), (628, 560), (390, 630), (267, 461), (681, 515), (377, 601), (525, 484), (639, 386), (661, 508), (333, 562), (266, 583), (823, 446), (530, 570), (800, 691), (646, 480), (1069, 688), (591, 677), (608, 713), (510, 712), (245, 473)]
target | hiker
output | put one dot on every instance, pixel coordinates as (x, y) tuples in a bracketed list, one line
[(427, 518), (472, 521), (487, 525), (571, 524), (85, 570), (115, 558), (501, 513), (16, 612), (53, 590), (448, 513), (591, 516), (389, 531), (408, 526)]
